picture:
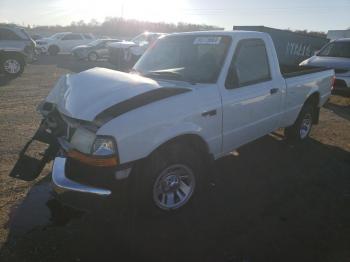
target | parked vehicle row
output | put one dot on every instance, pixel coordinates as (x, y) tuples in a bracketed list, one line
[(123, 54), (63, 42), (126, 53), (16, 49), (191, 98), (94, 50), (334, 55)]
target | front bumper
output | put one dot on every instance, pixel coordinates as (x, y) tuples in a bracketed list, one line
[(62, 183)]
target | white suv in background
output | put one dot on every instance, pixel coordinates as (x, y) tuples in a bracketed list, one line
[(63, 42)]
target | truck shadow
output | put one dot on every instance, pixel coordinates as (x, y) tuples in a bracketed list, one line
[(342, 111), (266, 200)]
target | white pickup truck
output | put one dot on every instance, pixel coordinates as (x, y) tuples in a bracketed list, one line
[(192, 98)]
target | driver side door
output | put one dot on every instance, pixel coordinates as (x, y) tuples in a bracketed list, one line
[(251, 98)]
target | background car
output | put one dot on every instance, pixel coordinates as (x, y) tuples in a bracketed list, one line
[(36, 37), (63, 42), (16, 49), (126, 53), (94, 50), (334, 55)]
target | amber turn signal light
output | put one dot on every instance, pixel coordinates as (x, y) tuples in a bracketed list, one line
[(93, 160)]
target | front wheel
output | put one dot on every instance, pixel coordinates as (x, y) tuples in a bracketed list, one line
[(53, 50), (169, 179), (12, 65), (301, 129), (92, 57)]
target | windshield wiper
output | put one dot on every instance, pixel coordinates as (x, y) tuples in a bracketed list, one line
[(166, 74)]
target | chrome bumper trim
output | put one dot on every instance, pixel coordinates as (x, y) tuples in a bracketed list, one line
[(62, 183)]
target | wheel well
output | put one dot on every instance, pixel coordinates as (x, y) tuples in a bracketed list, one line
[(314, 100), (192, 140)]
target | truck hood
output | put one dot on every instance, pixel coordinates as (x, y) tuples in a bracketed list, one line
[(85, 95), (329, 62)]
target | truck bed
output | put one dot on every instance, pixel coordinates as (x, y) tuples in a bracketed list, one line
[(293, 71)]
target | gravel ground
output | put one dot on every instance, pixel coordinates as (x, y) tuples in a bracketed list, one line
[(268, 202)]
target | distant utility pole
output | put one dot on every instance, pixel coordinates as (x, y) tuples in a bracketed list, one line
[(122, 11)]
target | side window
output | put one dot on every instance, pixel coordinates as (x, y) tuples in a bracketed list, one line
[(6, 34), (72, 37), (250, 64)]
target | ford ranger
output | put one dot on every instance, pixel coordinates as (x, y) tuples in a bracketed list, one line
[(191, 98)]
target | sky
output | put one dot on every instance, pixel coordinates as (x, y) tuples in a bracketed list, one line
[(316, 15)]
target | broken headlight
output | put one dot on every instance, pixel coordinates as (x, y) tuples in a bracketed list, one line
[(103, 146)]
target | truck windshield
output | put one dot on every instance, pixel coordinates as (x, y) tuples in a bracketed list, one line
[(194, 58), (336, 49)]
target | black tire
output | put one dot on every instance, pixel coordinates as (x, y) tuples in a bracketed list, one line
[(12, 65), (92, 57), (301, 129), (149, 172), (53, 50)]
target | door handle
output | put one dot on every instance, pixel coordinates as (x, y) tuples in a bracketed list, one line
[(209, 113), (273, 91)]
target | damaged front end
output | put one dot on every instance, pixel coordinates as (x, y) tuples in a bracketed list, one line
[(47, 141), (43, 146), (30, 162)]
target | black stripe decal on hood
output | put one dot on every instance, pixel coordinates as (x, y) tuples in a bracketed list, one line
[(136, 102)]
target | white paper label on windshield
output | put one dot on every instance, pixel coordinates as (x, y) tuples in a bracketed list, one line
[(207, 40)]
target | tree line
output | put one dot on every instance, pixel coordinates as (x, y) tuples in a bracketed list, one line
[(116, 26)]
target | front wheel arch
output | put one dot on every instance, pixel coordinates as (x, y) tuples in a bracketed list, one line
[(195, 141)]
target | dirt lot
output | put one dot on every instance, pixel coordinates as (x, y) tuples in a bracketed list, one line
[(270, 202)]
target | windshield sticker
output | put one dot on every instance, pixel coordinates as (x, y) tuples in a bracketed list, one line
[(207, 40)]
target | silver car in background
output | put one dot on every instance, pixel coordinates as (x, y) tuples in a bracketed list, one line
[(94, 50), (335, 55)]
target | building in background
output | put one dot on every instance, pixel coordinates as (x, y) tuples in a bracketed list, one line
[(292, 48), (336, 34)]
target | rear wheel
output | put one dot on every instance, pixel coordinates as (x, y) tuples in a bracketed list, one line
[(301, 129), (12, 65), (53, 50)]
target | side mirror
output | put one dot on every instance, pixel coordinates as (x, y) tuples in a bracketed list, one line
[(232, 78)]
